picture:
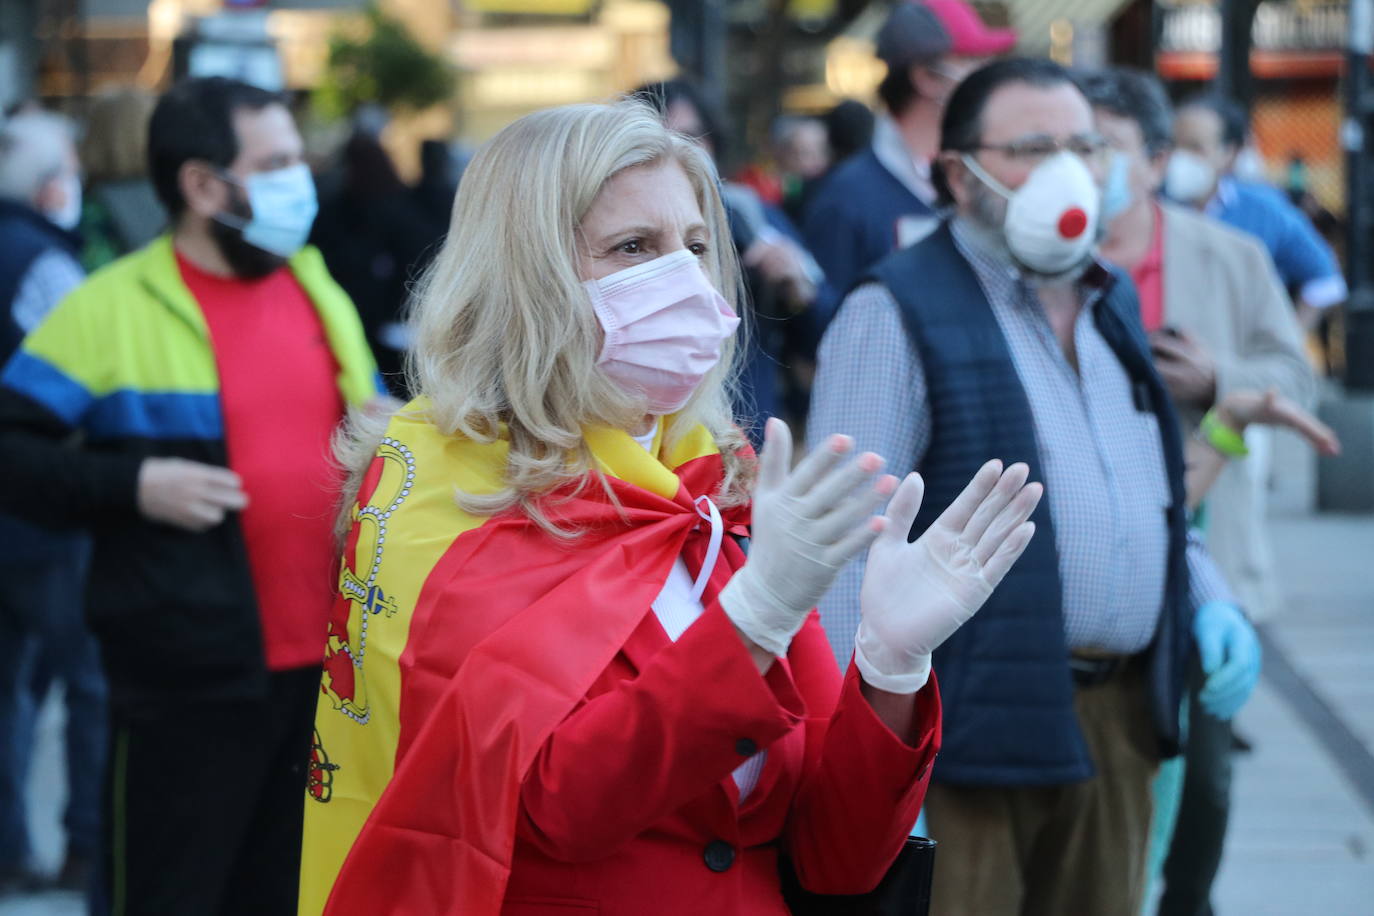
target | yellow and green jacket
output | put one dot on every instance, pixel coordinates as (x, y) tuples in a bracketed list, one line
[(123, 370)]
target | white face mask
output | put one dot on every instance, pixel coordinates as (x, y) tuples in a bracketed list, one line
[(284, 208), (1189, 178), (1051, 221), (68, 216), (664, 324)]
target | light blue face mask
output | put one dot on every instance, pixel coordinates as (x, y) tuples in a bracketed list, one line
[(1116, 193), (284, 207)]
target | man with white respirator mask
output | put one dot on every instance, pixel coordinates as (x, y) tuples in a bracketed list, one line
[(1001, 335)]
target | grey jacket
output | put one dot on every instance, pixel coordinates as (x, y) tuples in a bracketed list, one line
[(1220, 286)]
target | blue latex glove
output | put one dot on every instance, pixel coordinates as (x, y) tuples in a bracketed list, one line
[(1230, 654)]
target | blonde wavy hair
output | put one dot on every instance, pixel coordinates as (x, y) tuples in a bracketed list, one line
[(506, 338)]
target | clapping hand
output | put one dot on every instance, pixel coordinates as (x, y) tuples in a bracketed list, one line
[(808, 523), (915, 595)]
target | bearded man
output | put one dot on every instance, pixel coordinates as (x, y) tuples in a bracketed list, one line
[(179, 405)]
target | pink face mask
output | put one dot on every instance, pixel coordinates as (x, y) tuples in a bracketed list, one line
[(664, 325)]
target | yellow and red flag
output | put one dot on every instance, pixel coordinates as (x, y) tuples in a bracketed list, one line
[(457, 643)]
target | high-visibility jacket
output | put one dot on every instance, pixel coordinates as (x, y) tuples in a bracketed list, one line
[(123, 370)]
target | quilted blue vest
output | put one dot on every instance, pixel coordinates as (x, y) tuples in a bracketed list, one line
[(1008, 694)]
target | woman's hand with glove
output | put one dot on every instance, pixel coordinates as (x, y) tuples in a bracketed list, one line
[(915, 595), (807, 525)]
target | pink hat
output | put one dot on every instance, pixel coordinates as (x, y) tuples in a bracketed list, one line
[(969, 37)]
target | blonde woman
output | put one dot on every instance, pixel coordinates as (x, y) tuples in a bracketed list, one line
[(573, 668)]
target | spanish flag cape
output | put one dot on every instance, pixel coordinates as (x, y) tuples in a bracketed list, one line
[(458, 643)]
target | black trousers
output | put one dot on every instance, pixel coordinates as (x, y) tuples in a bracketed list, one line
[(206, 804), (1203, 812)]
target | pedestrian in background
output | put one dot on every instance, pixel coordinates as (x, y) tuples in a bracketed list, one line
[(798, 154), (181, 405), (374, 235), (1217, 313), (1220, 321), (1000, 334), (882, 198), (438, 183), (43, 636), (1209, 132), (120, 211), (849, 130)]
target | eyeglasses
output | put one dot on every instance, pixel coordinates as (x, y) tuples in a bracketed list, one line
[(1091, 148)]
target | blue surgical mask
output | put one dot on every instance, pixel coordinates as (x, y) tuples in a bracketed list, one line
[(69, 217), (1116, 193), (284, 207)]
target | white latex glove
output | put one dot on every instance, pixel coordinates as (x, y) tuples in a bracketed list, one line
[(807, 525), (914, 596)]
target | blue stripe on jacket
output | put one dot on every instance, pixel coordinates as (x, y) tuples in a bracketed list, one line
[(40, 380), (123, 414), (156, 415)]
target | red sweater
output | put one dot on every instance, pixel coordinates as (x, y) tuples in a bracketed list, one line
[(280, 398)]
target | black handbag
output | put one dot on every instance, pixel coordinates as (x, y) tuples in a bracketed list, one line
[(904, 891)]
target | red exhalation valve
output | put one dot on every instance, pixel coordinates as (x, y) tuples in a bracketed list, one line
[(1073, 222)]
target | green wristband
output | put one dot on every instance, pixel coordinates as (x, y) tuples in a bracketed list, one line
[(1222, 437)]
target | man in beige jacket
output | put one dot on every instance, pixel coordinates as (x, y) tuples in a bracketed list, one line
[(1219, 320)]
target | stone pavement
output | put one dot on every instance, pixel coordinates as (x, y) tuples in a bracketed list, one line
[(47, 795), (1302, 829)]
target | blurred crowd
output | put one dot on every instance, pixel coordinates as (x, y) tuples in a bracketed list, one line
[(191, 311)]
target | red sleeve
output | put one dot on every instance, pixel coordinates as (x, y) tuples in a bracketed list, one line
[(671, 733), (864, 792)]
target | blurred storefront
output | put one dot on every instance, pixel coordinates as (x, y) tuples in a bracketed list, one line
[(515, 56), (1296, 61), (511, 56), (1070, 31)]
